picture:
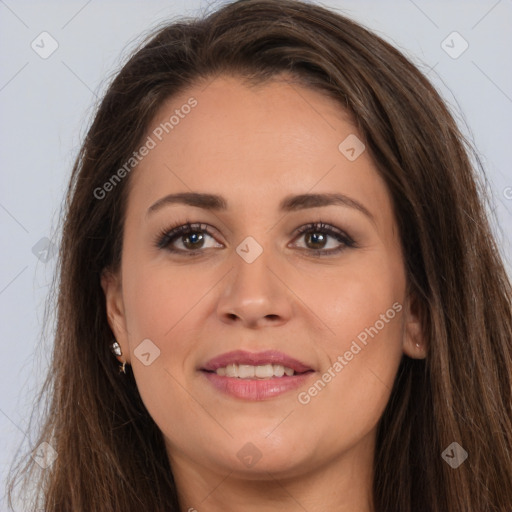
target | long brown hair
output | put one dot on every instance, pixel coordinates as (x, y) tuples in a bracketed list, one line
[(111, 455)]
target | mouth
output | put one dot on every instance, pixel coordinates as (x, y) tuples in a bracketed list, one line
[(255, 376), (248, 371)]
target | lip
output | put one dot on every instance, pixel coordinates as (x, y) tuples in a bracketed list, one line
[(255, 389), (255, 359)]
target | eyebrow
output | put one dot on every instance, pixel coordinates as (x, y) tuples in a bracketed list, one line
[(288, 204)]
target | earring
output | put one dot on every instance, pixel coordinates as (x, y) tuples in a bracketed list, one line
[(116, 350)]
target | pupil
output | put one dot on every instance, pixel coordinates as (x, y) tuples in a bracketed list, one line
[(317, 238), (194, 237)]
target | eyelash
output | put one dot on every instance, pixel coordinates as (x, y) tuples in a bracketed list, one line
[(167, 236)]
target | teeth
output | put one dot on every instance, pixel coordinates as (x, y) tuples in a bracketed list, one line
[(264, 372), (279, 370), (232, 370), (248, 371), (288, 371)]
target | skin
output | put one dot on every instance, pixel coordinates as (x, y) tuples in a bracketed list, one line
[(254, 146)]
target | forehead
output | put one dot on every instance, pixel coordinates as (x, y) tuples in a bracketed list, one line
[(252, 145)]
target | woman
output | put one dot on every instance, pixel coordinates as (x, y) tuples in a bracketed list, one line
[(274, 230)]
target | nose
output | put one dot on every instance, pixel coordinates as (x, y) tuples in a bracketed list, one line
[(255, 294)]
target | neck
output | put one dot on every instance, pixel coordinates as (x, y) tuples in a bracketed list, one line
[(343, 484)]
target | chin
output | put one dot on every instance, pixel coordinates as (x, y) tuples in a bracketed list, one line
[(255, 456)]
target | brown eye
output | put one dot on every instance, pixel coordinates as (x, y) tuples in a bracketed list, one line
[(191, 237), (193, 240), (317, 239), (319, 235)]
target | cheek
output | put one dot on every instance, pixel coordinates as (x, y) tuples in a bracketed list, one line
[(166, 305), (353, 297), (362, 307), (159, 297), (160, 306)]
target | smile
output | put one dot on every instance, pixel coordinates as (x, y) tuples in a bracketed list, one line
[(247, 371), (255, 376)]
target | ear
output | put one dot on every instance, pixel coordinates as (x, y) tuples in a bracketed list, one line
[(112, 288), (414, 342)]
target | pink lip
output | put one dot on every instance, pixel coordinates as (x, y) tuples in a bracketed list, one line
[(255, 389), (255, 359)]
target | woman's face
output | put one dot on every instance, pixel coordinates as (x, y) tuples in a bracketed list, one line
[(246, 293)]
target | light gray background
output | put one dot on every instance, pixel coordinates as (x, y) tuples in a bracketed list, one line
[(46, 105)]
